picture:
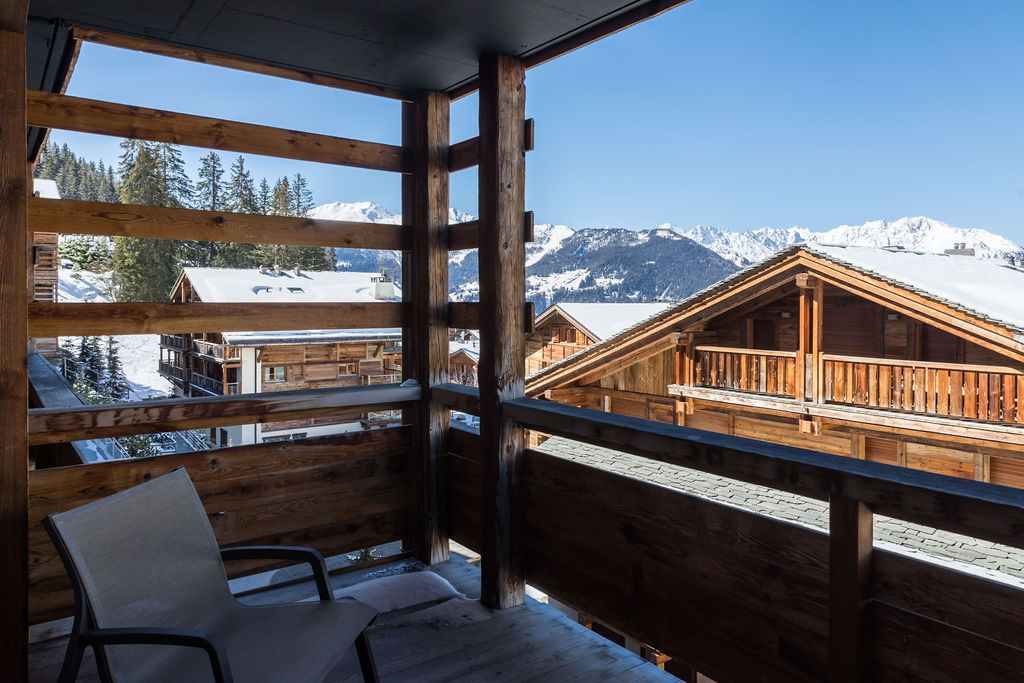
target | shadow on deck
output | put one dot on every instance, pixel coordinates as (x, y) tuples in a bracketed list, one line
[(532, 642)]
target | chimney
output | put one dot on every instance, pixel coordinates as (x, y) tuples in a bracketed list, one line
[(960, 249), (1012, 260), (382, 287), (263, 270), (298, 271), (277, 269)]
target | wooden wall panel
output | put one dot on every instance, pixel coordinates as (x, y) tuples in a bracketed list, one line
[(954, 463), (335, 493), (885, 451), (1006, 471), (708, 421), (728, 592), (789, 433), (465, 487)]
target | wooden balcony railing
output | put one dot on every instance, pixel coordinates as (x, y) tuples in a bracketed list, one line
[(738, 595), (210, 384), (764, 372), (173, 341), (972, 391), (219, 351), (175, 371)]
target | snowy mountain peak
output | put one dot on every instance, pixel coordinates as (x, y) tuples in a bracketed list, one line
[(372, 212)]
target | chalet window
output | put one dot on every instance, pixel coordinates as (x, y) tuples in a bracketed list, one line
[(274, 373), (347, 368), (296, 290)]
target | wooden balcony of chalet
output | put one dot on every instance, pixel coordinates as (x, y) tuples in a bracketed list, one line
[(722, 591)]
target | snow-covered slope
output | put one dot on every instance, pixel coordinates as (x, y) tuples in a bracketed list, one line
[(140, 353), (372, 212), (916, 233)]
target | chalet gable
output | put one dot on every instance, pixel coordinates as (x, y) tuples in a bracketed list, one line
[(970, 298)]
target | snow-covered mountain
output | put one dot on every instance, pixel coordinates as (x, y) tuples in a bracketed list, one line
[(916, 233), (611, 264)]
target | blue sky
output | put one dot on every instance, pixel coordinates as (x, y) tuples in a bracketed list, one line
[(737, 113)]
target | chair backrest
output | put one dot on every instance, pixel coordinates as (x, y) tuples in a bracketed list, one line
[(147, 556)]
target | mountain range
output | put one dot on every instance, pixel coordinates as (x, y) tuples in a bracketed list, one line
[(666, 263)]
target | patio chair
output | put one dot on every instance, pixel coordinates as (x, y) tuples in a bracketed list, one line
[(152, 597)]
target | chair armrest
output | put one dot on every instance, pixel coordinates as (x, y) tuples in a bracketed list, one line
[(164, 636), (310, 556)]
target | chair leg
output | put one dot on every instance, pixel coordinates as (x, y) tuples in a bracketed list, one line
[(366, 663), (72, 661)]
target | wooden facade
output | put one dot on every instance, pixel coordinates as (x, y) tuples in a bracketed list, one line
[(866, 377), (213, 364), (732, 594)]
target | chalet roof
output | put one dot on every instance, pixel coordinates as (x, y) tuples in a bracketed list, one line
[(603, 320), (984, 289), (249, 285), (405, 44)]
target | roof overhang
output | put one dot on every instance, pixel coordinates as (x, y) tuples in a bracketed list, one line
[(407, 45)]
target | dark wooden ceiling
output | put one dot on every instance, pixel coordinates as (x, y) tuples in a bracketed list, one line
[(403, 44)]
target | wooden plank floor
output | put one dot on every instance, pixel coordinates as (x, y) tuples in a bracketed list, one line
[(533, 642)]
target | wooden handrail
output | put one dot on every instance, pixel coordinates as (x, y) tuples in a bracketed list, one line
[(61, 425), (973, 508), (53, 320), (746, 352), (129, 220), (52, 110), (922, 364)]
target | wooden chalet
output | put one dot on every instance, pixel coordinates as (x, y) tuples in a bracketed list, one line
[(566, 328), (224, 363), (45, 265), (723, 591), (882, 354)]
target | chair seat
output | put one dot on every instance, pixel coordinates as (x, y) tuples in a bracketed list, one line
[(293, 642)]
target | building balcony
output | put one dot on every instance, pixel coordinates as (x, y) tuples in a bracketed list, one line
[(217, 351)]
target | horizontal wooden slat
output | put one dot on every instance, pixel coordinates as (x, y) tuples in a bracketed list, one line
[(336, 493), (746, 352), (127, 220), (973, 508), (192, 54), (465, 315), (465, 154), (51, 110), (457, 397), (63, 320), (466, 235), (59, 425), (921, 364)]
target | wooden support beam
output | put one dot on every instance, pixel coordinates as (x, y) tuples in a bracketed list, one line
[(205, 57), (466, 235), (465, 315), (14, 190), (428, 361), (805, 360), (466, 154), (502, 293), (60, 425), (808, 281), (816, 332), (51, 110), (667, 342), (128, 220), (849, 575), (58, 320)]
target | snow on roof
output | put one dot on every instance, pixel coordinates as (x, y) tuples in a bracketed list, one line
[(607, 320), (984, 287), (471, 350), (46, 188), (249, 285)]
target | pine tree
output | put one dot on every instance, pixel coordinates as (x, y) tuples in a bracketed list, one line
[(301, 198), (264, 198), (241, 193), (209, 196), (114, 386), (146, 269)]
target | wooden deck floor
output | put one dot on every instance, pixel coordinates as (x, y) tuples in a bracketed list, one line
[(533, 642)]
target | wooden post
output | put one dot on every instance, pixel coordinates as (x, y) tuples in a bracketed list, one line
[(803, 369), (14, 190), (425, 278), (850, 545), (502, 259), (817, 325)]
